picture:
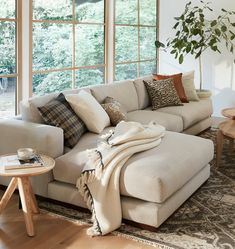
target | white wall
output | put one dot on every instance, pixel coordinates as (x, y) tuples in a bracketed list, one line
[(218, 70)]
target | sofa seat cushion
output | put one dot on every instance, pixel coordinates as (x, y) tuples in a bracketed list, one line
[(192, 112), (68, 167), (153, 175), (124, 92), (169, 121)]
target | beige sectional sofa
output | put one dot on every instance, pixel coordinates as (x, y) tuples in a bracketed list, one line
[(153, 183)]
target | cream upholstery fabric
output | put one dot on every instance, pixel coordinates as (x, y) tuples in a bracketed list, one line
[(149, 213), (188, 84), (154, 214), (199, 127), (166, 168), (68, 167), (124, 92), (28, 108), (169, 121), (66, 193), (142, 93), (191, 112), (17, 134), (89, 110)]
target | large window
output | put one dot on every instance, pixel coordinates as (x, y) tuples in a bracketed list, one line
[(9, 57), (68, 44), (53, 45), (135, 34)]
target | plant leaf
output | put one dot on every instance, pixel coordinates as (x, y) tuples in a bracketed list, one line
[(181, 59), (213, 23), (176, 25), (188, 48), (224, 28), (159, 44), (218, 32)]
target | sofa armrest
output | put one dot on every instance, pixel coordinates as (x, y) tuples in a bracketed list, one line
[(15, 134)]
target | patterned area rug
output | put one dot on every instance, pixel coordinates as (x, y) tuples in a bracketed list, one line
[(205, 221)]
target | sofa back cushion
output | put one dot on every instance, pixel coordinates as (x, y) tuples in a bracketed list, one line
[(124, 92), (29, 108), (143, 97)]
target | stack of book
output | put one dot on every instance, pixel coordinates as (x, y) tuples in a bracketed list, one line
[(13, 162)]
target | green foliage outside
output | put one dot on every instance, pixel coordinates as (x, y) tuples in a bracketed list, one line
[(53, 42)]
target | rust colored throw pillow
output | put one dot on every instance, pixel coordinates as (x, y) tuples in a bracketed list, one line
[(177, 78)]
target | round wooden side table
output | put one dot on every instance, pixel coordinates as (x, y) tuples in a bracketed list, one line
[(20, 179), (226, 131)]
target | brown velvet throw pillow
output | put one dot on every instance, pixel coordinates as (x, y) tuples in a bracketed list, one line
[(162, 93), (177, 78)]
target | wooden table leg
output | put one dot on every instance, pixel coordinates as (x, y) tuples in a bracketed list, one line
[(219, 146), (7, 195), (34, 205), (25, 197)]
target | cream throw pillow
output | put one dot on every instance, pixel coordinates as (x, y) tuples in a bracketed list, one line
[(89, 110), (189, 88)]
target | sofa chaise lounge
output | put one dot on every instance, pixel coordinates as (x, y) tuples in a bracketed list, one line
[(154, 183)]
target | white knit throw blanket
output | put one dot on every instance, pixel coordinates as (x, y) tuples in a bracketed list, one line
[(99, 181)]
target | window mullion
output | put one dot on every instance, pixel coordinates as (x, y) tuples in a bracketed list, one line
[(19, 54), (110, 40), (73, 47), (138, 64)]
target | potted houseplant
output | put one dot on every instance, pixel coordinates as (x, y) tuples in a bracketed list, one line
[(194, 34)]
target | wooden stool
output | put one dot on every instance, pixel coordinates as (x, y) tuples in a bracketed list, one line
[(226, 131), (20, 179)]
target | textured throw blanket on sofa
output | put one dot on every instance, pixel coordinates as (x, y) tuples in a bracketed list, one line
[(99, 181)]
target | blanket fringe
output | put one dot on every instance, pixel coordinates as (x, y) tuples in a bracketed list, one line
[(86, 178)]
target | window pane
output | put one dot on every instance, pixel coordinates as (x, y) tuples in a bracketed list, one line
[(85, 77), (52, 46), (90, 11), (7, 48), (52, 82), (126, 12), (147, 43), (147, 68), (89, 45), (126, 44), (52, 10), (148, 12), (126, 71), (7, 97), (7, 9)]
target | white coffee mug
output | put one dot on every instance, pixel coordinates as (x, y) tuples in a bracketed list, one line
[(25, 153)]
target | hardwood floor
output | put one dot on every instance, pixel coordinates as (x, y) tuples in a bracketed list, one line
[(53, 233)]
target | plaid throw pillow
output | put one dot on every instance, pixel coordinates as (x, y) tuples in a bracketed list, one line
[(162, 93), (59, 113)]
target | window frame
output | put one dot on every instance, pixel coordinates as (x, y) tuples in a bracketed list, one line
[(18, 48), (138, 25), (74, 23)]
